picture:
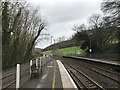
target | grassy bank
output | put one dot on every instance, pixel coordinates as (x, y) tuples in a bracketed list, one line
[(67, 51)]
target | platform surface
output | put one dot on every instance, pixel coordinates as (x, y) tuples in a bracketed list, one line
[(54, 75), (100, 60), (67, 81)]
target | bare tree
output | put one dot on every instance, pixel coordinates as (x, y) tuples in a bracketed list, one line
[(111, 8), (21, 28), (95, 20), (79, 28), (102, 33)]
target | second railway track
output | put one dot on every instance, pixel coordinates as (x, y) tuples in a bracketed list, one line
[(108, 79), (83, 81), (112, 75)]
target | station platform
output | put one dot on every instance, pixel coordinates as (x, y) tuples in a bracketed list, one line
[(54, 76), (117, 63), (67, 81)]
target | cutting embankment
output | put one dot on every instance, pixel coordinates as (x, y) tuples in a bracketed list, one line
[(75, 50)]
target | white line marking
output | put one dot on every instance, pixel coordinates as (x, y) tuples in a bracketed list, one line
[(67, 81)]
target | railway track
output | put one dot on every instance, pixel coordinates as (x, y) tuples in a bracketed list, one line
[(9, 81), (82, 80), (107, 73), (9, 78), (109, 79)]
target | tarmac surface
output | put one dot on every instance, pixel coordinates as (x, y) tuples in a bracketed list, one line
[(49, 78)]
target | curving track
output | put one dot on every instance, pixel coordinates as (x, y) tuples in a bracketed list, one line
[(103, 76), (83, 81)]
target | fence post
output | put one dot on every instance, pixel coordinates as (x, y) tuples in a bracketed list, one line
[(40, 62), (18, 76), (30, 66), (36, 63), (41, 65)]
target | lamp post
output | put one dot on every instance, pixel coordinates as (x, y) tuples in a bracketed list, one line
[(90, 42), (54, 41), (51, 39)]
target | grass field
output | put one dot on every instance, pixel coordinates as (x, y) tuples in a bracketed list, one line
[(67, 51)]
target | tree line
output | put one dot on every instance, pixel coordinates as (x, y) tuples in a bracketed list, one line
[(21, 28), (103, 31)]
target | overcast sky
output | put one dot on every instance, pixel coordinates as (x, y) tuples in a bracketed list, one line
[(62, 15)]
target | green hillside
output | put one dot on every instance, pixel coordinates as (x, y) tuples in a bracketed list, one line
[(66, 51)]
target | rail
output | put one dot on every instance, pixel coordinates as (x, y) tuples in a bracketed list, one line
[(84, 82), (102, 70), (9, 81)]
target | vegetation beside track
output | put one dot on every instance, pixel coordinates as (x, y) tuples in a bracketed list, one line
[(75, 50)]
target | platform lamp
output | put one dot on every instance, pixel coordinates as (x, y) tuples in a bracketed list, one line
[(90, 43), (51, 39), (54, 41)]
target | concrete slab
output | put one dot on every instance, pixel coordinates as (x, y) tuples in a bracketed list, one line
[(67, 81), (54, 76), (51, 77)]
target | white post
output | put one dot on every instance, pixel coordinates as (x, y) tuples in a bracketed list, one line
[(36, 63), (41, 65), (30, 66), (18, 77), (40, 62), (43, 55)]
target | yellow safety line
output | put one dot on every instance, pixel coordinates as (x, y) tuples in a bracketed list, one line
[(53, 82)]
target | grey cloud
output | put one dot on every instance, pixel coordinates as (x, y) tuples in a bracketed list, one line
[(65, 12), (62, 16)]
